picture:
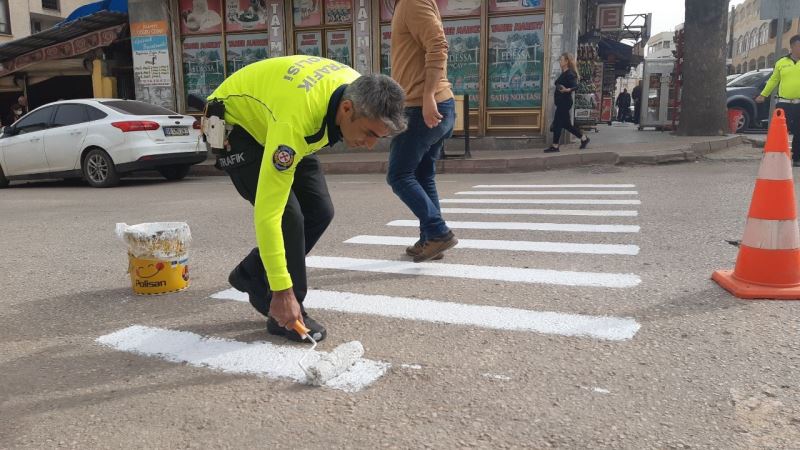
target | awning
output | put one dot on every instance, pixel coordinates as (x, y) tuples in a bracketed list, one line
[(85, 11), (618, 53)]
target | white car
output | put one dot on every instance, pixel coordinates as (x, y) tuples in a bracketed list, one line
[(99, 140)]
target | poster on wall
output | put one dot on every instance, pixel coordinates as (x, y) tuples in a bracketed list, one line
[(307, 13), (151, 60), (386, 49), (245, 15), (463, 61), (338, 11), (515, 61), (447, 8), (309, 43), (275, 18), (587, 97), (514, 5), (243, 49), (202, 65), (200, 16), (338, 46)]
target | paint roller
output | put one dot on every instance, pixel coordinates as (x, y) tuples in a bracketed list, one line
[(330, 365)]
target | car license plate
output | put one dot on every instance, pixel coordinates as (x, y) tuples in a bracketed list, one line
[(176, 131)]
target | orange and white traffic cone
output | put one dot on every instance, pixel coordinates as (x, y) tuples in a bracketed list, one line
[(768, 266)]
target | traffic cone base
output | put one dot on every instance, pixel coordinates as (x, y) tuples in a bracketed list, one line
[(750, 291)]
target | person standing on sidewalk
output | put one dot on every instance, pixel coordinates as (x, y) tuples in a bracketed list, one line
[(419, 64), (623, 105), (787, 75), (566, 84), (636, 94)]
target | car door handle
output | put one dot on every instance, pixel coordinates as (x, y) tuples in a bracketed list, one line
[(76, 133), (35, 139)]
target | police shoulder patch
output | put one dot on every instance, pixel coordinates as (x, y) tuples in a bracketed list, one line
[(283, 158)]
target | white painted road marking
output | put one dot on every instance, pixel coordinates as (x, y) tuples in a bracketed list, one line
[(552, 186), (527, 226), (547, 193), (511, 274), (498, 318), (542, 212), (531, 201), (257, 358), (520, 246)]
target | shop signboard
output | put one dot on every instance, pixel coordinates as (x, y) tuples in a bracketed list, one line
[(514, 5), (243, 15), (275, 17), (363, 36), (463, 61), (515, 61), (151, 64), (338, 46), (200, 16), (202, 65), (244, 49), (309, 43)]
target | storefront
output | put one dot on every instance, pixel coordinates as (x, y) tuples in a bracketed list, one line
[(497, 47)]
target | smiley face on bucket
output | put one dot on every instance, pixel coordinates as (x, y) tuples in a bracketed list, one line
[(150, 270)]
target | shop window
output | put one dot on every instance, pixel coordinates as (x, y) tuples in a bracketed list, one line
[(244, 49), (51, 4), (514, 5), (202, 65), (308, 43), (338, 45), (324, 29), (5, 22), (463, 63), (200, 16)]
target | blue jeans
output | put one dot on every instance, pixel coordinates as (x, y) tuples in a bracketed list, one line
[(412, 167)]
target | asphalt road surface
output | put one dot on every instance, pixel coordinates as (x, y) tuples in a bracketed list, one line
[(583, 318)]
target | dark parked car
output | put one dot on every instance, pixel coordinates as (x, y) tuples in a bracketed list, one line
[(742, 92)]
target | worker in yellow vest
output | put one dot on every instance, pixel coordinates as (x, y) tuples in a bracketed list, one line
[(277, 114), (786, 76)]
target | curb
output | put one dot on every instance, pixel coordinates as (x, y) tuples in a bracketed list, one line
[(689, 153)]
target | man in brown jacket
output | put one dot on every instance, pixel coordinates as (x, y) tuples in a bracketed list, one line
[(419, 65)]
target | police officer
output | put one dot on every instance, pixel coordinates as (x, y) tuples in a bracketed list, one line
[(280, 112)]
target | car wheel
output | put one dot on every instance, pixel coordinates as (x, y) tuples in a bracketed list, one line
[(99, 170), (744, 120), (176, 172), (3, 180)]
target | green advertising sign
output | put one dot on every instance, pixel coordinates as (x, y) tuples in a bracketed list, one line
[(516, 59)]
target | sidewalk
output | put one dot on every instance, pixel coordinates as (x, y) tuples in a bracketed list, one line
[(617, 144)]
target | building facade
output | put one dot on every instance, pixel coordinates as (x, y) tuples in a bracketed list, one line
[(661, 45), (20, 18), (752, 40)]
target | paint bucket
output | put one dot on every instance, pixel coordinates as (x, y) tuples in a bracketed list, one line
[(157, 256)]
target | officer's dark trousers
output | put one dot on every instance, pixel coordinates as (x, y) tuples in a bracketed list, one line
[(308, 213), (792, 111)]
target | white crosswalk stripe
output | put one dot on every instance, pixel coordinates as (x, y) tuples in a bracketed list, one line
[(528, 226), (530, 201), (542, 212), (547, 193), (517, 246), (552, 186)]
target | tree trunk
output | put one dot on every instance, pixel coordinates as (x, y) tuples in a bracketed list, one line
[(703, 110)]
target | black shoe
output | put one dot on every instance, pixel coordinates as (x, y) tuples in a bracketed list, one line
[(257, 293), (317, 332), (585, 142), (551, 149)]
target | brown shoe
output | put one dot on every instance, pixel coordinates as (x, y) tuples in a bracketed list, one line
[(435, 247), (416, 249)]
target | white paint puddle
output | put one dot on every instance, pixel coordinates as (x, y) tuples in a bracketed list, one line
[(489, 192), (511, 274), (492, 317), (535, 201), (254, 358), (516, 246), (552, 186), (527, 226), (541, 212), (496, 377), (411, 366)]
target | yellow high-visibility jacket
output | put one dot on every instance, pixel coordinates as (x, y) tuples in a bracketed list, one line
[(284, 104), (787, 75)]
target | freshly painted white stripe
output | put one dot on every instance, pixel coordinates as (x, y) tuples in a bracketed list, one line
[(542, 212), (547, 193), (257, 358), (493, 317), (527, 226), (519, 246), (532, 201), (511, 274), (552, 186)]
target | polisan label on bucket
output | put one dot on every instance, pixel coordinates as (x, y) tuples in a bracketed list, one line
[(156, 276), (157, 256)]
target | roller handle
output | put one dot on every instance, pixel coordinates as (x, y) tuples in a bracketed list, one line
[(300, 328)]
